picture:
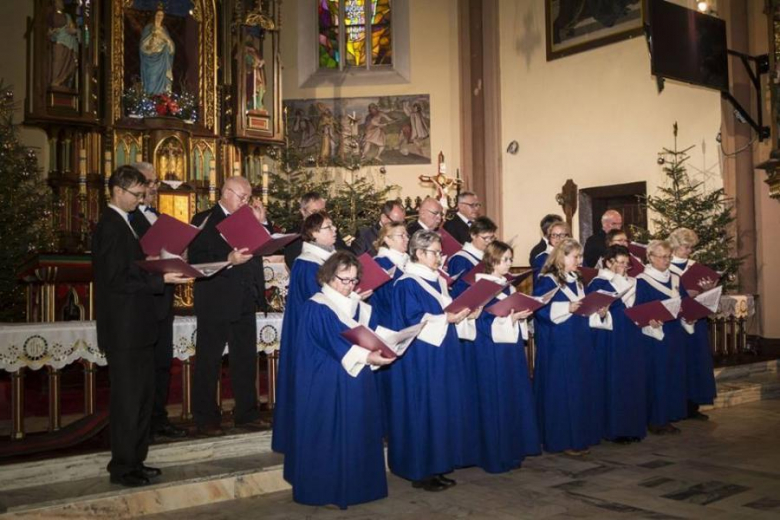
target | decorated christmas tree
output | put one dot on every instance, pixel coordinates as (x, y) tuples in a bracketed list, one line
[(26, 211), (684, 203)]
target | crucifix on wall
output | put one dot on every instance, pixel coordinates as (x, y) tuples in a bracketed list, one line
[(567, 199)]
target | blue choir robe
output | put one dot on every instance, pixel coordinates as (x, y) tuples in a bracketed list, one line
[(429, 433), (461, 263), (538, 262), (508, 431), (382, 303), (568, 410), (665, 352), (700, 368), (620, 356), (302, 286), (337, 455)]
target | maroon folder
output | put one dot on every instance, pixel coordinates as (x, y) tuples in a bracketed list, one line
[(373, 275), (642, 314), (449, 279), (242, 230), (168, 233), (587, 274), (177, 265), (366, 338), (449, 246), (638, 250), (635, 267), (594, 302), (475, 296), (695, 274), (518, 302), (691, 310), (471, 276)]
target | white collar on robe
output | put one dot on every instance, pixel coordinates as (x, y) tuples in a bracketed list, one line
[(575, 295), (339, 305), (422, 271), (398, 258), (499, 280), (314, 253), (657, 279), (124, 215), (419, 272), (619, 282), (346, 305), (469, 248), (655, 274), (678, 260)]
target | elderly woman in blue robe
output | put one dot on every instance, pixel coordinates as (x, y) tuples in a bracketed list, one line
[(156, 51)]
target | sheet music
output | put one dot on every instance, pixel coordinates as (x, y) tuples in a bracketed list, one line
[(673, 305), (711, 298), (399, 341)]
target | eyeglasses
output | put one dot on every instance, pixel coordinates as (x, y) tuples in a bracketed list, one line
[(331, 227), (434, 213), (137, 195), (402, 235), (347, 281), (559, 235), (507, 260), (662, 257), (475, 205), (241, 198), (436, 252), (487, 238)]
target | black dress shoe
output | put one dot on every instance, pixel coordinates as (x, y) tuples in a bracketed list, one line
[(132, 479), (150, 472), (432, 484), (210, 431), (169, 430), (446, 481), (623, 440), (699, 416)]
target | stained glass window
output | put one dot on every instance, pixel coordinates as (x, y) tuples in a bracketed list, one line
[(344, 33)]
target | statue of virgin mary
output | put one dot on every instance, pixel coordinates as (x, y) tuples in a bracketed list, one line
[(157, 50)]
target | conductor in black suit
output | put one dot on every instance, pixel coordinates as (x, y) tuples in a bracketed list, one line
[(225, 307), (392, 212), (468, 210), (127, 327), (544, 225), (429, 217), (142, 220), (596, 244), (311, 202)]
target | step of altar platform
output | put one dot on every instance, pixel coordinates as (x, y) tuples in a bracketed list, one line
[(195, 472), (747, 383)]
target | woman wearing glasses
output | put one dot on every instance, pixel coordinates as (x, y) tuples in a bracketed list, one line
[(427, 427), (508, 430), (620, 354), (566, 371), (482, 232), (664, 342), (338, 456), (319, 236), (555, 234)]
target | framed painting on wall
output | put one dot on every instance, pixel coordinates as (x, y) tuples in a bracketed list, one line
[(574, 26)]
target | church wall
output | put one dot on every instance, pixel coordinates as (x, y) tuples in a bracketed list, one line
[(433, 46)]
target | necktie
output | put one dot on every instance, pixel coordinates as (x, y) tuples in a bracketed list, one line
[(152, 210), (469, 223)]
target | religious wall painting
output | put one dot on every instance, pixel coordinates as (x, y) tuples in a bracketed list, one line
[(578, 25), (381, 130), (170, 160)]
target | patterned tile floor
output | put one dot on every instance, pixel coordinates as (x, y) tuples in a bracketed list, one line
[(726, 468)]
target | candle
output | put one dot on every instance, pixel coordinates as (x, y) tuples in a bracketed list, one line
[(212, 173), (236, 168)]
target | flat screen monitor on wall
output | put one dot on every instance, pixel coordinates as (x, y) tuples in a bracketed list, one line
[(688, 46)]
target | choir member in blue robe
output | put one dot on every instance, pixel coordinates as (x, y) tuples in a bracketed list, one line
[(565, 373), (391, 245), (506, 417), (665, 343), (428, 431), (620, 354), (482, 232), (337, 455), (699, 366), (555, 233), (319, 238)]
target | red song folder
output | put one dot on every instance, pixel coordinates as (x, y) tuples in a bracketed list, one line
[(635, 267), (596, 301), (638, 250), (695, 274), (449, 246), (373, 275), (641, 315), (471, 276), (520, 302), (449, 279), (168, 233), (702, 305), (587, 274), (475, 296), (390, 343), (242, 230), (177, 265)]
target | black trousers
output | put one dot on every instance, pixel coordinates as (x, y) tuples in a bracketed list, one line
[(131, 376), (163, 356), (241, 337)]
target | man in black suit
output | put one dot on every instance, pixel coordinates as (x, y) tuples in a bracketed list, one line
[(310, 203), (225, 307), (429, 217), (392, 211), (468, 210), (127, 327), (597, 242), (544, 225), (142, 220)]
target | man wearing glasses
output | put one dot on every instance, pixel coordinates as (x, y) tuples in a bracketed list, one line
[(392, 212), (225, 306), (430, 217), (468, 210), (142, 220), (597, 242)]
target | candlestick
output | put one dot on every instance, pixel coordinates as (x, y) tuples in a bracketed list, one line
[(212, 173)]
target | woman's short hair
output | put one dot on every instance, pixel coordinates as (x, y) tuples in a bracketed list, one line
[(338, 261), (556, 263), (560, 224), (655, 245), (482, 225), (422, 240), (681, 237), (387, 230), (312, 224), (493, 253), (614, 251), (614, 233)]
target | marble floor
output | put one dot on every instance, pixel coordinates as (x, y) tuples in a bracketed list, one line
[(726, 468)]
